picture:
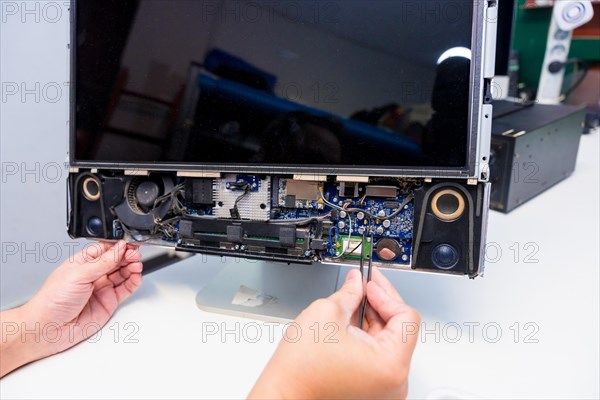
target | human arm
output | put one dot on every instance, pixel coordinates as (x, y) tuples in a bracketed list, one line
[(369, 363), (85, 289)]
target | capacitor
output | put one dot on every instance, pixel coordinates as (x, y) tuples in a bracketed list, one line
[(360, 215), (379, 230), (381, 214), (341, 225), (343, 214), (386, 223)]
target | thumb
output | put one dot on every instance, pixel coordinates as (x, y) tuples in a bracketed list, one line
[(350, 294), (106, 263)]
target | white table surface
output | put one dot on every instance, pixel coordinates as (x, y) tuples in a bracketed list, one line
[(557, 297)]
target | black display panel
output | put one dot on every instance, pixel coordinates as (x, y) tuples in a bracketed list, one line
[(344, 83)]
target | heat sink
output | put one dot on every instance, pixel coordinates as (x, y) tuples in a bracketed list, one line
[(254, 205)]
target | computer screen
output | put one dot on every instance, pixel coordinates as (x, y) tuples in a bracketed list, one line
[(346, 83)]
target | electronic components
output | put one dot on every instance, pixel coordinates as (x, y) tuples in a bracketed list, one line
[(388, 249), (243, 182), (199, 191), (252, 239), (383, 218), (299, 194), (262, 217), (389, 192), (242, 197), (351, 247), (346, 189), (147, 199)]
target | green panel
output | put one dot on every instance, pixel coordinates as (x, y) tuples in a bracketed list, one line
[(531, 31), (586, 49)]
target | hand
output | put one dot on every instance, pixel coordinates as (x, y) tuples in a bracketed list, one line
[(373, 363), (76, 300)]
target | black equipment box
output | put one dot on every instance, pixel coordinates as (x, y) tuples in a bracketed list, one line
[(533, 148)]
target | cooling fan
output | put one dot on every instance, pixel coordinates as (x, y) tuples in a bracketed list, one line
[(145, 201)]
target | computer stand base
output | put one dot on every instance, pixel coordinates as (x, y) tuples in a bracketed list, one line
[(265, 290)]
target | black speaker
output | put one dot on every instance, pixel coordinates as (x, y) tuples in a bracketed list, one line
[(92, 199), (448, 226)]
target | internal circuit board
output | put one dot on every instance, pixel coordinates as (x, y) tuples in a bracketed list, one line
[(347, 227), (285, 218)]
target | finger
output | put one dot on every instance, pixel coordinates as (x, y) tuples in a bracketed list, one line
[(90, 252), (378, 277), (105, 243), (374, 322), (130, 285), (106, 263), (350, 294), (385, 305), (402, 321), (117, 277), (392, 311), (102, 282), (132, 255), (134, 268), (133, 246), (123, 273)]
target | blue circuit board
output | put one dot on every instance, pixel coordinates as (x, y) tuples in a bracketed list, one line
[(297, 213), (253, 182), (400, 226), (199, 212)]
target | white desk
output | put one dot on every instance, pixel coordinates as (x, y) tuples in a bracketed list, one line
[(558, 296)]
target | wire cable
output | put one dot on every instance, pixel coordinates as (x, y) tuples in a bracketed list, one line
[(397, 211), (585, 67)]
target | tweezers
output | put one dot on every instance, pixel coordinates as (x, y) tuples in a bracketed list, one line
[(363, 306)]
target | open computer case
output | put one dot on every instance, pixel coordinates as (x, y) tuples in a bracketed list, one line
[(300, 132)]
